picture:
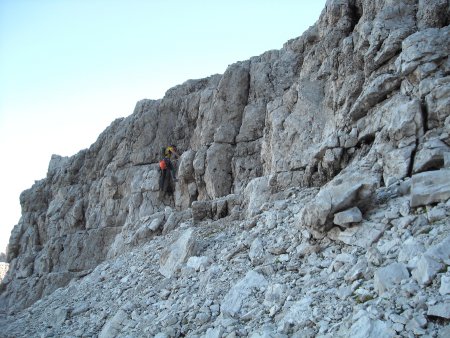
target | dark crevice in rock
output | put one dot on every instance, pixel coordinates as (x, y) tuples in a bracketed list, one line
[(142, 164), (411, 160), (356, 13), (424, 110), (382, 183), (365, 140)]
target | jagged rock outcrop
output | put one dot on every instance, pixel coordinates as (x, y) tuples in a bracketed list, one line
[(349, 114)]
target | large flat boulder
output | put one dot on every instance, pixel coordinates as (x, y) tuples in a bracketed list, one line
[(430, 187)]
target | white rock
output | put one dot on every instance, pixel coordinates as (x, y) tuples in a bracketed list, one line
[(199, 263), (256, 252), (114, 325), (237, 295), (387, 277), (362, 235), (299, 313), (347, 217), (213, 333), (256, 194), (356, 271), (403, 222), (430, 187), (365, 327), (430, 154), (426, 269), (177, 253), (445, 285), (436, 214), (156, 223), (440, 251), (345, 190), (275, 295), (345, 258), (410, 249)]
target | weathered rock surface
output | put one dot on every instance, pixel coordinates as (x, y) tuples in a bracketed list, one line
[(352, 114), (177, 253), (3, 269), (430, 187), (349, 216)]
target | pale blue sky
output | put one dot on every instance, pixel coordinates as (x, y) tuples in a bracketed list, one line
[(68, 68)]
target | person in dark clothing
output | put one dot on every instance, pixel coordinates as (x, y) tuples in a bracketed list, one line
[(167, 168), (169, 153)]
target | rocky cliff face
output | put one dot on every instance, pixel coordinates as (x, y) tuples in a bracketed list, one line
[(345, 114)]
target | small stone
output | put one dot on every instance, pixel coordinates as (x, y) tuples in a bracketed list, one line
[(426, 270), (397, 318), (344, 292), (398, 327), (357, 271), (347, 217), (436, 214), (256, 252), (164, 294), (374, 256), (198, 263), (392, 214), (202, 318)]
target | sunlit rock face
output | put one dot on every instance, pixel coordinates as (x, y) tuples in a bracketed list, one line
[(359, 102), (3, 270)]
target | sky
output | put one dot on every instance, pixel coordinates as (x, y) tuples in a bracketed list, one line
[(68, 68)]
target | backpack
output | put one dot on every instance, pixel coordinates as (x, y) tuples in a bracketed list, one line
[(163, 164)]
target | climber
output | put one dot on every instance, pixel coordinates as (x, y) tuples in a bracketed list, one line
[(172, 163), (167, 167)]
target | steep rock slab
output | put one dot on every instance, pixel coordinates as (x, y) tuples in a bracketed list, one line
[(218, 177), (177, 253)]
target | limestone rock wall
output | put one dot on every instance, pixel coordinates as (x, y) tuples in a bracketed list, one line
[(366, 90)]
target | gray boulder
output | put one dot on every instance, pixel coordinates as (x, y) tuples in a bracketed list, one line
[(347, 217), (365, 327), (178, 253), (387, 277), (430, 187), (431, 155), (350, 188), (236, 296)]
